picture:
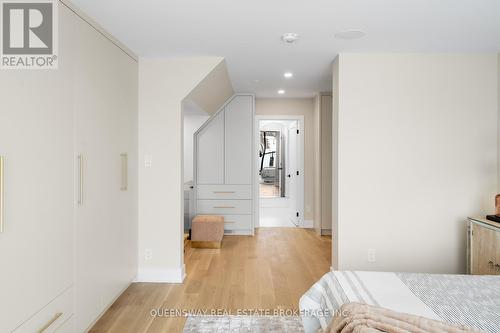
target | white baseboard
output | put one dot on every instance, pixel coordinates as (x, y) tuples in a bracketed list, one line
[(161, 275), (307, 224), (326, 232), (238, 233)]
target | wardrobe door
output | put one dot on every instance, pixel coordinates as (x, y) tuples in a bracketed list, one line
[(36, 144), (210, 152), (238, 140), (106, 218)]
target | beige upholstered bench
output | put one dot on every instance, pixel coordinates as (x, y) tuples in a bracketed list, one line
[(207, 231)]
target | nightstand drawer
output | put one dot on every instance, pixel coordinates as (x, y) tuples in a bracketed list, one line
[(483, 248)]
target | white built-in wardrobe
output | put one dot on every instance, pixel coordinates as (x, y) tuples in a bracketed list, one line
[(68, 142), (224, 165)]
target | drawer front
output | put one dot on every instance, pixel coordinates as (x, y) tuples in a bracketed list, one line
[(224, 192), (237, 222), (51, 317), (67, 327), (224, 207)]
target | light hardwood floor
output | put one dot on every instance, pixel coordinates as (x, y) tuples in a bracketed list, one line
[(269, 271)]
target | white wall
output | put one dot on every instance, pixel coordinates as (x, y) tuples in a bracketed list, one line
[(296, 106), (163, 84), (191, 124), (417, 154)]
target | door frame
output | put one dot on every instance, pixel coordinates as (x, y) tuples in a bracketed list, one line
[(300, 157)]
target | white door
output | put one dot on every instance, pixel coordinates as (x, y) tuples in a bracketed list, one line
[(36, 141), (292, 170), (105, 102)]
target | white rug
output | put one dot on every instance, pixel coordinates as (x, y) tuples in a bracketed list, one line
[(243, 324)]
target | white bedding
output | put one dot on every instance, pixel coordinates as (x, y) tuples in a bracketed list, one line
[(460, 299)]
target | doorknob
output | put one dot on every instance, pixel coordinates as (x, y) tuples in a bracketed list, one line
[(289, 176)]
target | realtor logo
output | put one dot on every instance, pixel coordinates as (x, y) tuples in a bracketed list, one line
[(29, 34)]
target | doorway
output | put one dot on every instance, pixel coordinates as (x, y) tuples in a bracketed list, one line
[(280, 167)]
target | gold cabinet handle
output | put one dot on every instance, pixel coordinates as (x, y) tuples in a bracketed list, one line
[(124, 158), (224, 207), (53, 320), (80, 195), (1, 194)]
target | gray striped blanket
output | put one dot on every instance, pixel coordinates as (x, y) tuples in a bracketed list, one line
[(458, 299)]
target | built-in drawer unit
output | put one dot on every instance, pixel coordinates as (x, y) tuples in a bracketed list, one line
[(67, 327), (224, 207), (231, 192), (223, 164), (237, 222), (51, 317)]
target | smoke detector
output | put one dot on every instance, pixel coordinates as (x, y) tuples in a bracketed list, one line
[(290, 37)]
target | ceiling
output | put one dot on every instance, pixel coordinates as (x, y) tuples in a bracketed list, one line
[(247, 33)]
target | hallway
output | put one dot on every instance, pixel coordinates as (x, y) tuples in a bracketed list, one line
[(268, 271)]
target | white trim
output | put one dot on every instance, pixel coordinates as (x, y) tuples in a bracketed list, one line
[(326, 232), (243, 232), (161, 275), (300, 198)]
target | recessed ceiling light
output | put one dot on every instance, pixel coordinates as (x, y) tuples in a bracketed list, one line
[(281, 91), (290, 37), (350, 34), (288, 75)]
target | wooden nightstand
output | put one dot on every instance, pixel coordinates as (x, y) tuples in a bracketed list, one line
[(483, 247)]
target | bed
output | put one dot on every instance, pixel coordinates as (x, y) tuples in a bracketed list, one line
[(459, 299)]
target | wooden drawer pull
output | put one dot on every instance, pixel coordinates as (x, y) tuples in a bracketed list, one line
[(53, 320), (224, 207)]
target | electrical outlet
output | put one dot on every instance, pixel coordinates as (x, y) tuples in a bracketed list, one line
[(148, 254), (372, 255)]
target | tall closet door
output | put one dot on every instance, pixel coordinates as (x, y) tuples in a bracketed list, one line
[(238, 140), (105, 227), (210, 152), (36, 142)]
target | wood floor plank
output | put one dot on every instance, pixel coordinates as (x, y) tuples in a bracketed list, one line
[(268, 271)]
